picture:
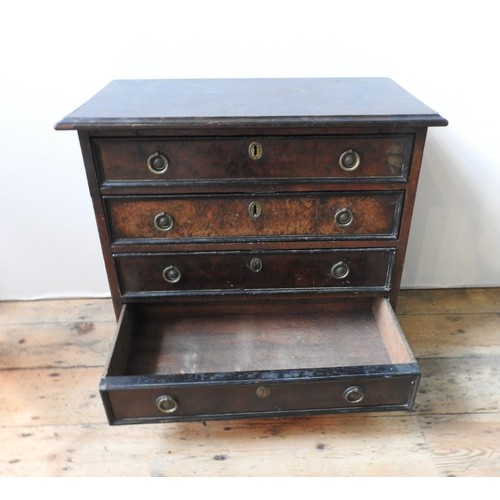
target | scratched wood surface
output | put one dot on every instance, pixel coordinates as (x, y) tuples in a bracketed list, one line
[(52, 423)]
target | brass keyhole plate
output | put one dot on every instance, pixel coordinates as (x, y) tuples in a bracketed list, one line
[(254, 209), (255, 265), (255, 150), (263, 391)]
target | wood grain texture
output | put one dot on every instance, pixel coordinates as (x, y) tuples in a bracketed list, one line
[(228, 343), (321, 446), (314, 216), (228, 159), (464, 444), (233, 272), (52, 422)]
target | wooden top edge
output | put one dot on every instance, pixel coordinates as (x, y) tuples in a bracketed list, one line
[(251, 122), (295, 102)]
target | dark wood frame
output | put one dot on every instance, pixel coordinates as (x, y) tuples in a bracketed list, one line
[(296, 109)]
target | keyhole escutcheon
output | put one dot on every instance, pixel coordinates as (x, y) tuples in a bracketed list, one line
[(255, 265), (255, 150), (254, 209)]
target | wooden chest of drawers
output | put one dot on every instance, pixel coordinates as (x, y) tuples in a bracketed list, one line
[(254, 234)]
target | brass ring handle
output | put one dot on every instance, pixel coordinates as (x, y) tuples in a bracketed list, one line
[(354, 394), (158, 163), (172, 274), (167, 404), (349, 160), (340, 270), (163, 221), (344, 217)]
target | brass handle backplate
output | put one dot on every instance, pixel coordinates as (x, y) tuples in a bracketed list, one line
[(163, 221), (344, 217), (349, 160), (158, 163), (354, 394), (340, 270), (167, 404), (172, 274)]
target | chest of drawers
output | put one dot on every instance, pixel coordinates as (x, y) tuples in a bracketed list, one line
[(254, 234)]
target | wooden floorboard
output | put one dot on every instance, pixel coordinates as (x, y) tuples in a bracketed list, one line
[(52, 423)]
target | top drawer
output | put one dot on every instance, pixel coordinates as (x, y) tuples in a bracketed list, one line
[(245, 158)]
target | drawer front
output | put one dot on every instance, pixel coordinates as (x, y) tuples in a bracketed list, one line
[(198, 272), (230, 217), (214, 159), (260, 399)]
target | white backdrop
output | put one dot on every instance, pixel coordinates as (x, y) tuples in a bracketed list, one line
[(56, 54)]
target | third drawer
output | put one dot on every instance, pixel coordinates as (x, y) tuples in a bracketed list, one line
[(249, 272)]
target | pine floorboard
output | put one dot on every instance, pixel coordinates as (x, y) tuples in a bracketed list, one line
[(52, 423)]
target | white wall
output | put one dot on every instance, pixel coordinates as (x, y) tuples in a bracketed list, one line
[(56, 54)]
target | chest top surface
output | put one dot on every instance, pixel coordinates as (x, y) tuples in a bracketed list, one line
[(251, 102)]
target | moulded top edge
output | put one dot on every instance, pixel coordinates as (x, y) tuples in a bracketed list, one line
[(249, 122), (251, 102)]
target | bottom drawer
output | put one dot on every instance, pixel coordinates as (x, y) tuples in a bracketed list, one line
[(194, 363)]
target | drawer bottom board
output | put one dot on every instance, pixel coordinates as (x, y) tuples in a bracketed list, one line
[(207, 366)]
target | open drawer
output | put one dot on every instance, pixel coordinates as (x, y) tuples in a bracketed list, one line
[(173, 363)]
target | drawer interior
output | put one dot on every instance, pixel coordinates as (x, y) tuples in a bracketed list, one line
[(174, 341), (207, 362)]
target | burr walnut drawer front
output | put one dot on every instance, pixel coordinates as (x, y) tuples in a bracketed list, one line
[(239, 272), (237, 217), (244, 158), (286, 359)]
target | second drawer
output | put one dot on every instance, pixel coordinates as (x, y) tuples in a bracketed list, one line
[(351, 215), (240, 272)]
